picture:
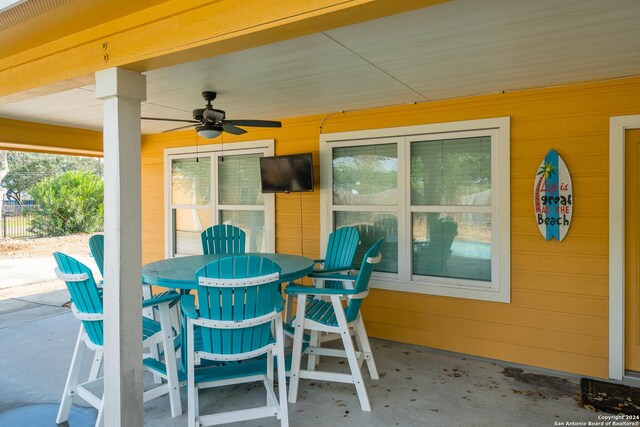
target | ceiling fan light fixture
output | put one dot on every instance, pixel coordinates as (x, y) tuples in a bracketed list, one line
[(208, 131)]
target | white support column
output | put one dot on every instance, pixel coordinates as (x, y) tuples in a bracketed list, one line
[(122, 91)]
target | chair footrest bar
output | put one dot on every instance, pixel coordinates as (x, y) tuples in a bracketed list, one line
[(235, 416), (155, 392), (88, 397), (326, 376)]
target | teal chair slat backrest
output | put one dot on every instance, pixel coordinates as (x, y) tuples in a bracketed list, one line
[(84, 294), (238, 303), (96, 246), (362, 281), (341, 247), (223, 239)]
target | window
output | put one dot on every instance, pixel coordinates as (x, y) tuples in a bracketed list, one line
[(217, 187), (437, 194)]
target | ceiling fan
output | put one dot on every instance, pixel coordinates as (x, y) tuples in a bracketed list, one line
[(210, 122)]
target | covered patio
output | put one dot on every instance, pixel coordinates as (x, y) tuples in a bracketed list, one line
[(418, 386), (427, 122)]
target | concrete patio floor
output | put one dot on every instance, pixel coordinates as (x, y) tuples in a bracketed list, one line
[(417, 386)]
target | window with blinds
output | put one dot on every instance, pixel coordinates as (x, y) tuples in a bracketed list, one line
[(451, 208), (366, 177), (240, 199), (216, 187), (437, 194)]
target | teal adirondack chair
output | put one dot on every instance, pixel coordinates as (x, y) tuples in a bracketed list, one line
[(223, 239), (319, 314), (238, 322), (341, 248), (87, 307), (96, 246)]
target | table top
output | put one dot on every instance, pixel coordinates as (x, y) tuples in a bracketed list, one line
[(180, 272)]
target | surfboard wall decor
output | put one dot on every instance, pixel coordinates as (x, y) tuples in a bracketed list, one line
[(553, 197)]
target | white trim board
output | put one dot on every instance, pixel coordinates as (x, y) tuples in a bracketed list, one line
[(617, 127)]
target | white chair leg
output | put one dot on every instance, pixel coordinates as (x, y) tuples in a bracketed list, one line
[(96, 365), (170, 360), (313, 360), (100, 419), (351, 354), (146, 294), (288, 308), (72, 379), (294, 378), (282, 375), (365, 347), (269, 378), (192, 406)]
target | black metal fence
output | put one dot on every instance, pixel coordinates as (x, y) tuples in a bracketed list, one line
[(15, 221)]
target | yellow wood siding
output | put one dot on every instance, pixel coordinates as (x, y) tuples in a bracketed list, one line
[(558, 315)]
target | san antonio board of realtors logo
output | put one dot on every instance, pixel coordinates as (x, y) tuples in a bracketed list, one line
[(553, 197)]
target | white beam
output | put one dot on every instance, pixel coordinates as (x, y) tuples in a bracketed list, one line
[(122, 91)]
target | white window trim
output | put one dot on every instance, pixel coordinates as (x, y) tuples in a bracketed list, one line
[(618, 125), (266, 146), (499, 129)]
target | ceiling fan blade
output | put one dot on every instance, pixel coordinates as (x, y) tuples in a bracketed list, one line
[(181, 127), (213, 115), (232, 129), (256, 123), (169, 120)]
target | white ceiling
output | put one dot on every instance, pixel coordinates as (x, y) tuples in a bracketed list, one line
[(459, 48)]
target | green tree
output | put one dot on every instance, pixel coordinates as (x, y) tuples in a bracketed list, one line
[(69, 203), (28, 169)]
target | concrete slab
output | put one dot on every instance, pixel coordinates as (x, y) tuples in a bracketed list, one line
[(25, 271), (22, 304), (417, 387)]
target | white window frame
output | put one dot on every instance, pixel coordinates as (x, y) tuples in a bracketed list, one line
[(265, 147), (499, 289)]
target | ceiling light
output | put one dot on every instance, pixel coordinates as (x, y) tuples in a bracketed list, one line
[(208, 131)]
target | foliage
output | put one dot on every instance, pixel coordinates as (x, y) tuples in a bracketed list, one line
[(28, 169), (69, 203)]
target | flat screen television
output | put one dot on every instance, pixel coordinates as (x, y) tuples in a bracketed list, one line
[(286, 174)]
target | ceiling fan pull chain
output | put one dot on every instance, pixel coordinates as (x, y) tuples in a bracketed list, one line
[(197, 152)]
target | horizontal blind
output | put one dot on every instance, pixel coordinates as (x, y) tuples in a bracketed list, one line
[(365, 175), (452, 172), (191, 181), (239, 180)]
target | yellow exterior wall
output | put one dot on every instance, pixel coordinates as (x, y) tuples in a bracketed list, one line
[(558, 315)]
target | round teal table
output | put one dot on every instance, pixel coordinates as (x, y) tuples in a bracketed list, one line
[(180, 272)]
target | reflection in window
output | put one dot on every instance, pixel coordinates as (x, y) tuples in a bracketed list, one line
[(456, 245), (365, 175), (252, 223), (372, 226), (452, 172), (191, 181), (189, 223), (239, 180)]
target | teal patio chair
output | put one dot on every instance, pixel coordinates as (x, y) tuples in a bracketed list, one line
[(96, 246), (238, 322), (319, 314), (87, 307), (341, 249), (223, 239)]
